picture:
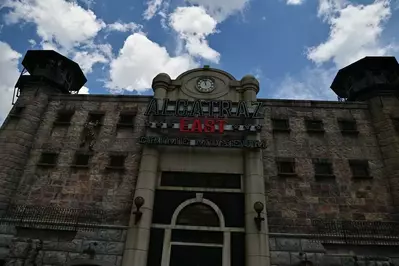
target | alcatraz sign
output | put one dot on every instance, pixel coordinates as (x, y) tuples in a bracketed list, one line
[(203, 108)]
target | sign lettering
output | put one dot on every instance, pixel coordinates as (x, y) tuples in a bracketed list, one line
[(202, 108), (208, 126)]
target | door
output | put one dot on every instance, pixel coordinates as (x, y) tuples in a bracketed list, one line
[(182, 255)]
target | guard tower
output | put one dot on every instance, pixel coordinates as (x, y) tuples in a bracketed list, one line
[(368, 77), (376, 81), (52, 68)]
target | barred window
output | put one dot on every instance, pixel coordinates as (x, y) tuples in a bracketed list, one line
[(198, 214)]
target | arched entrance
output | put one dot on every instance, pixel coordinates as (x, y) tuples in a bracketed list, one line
[(197, 236)]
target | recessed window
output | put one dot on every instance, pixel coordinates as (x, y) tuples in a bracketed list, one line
[(96, 117), (126, 119), (117, 161), (348, 126), (285, 166), (64, 117), (395, 122), (81, 160), (359, 168), (322, 168), (314, 125), (17, 111), (48, 159), (280, 124)]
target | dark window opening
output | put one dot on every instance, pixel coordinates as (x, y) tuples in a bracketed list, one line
[(126, 119), (117, 161), (17, 111), (96, 117), (280, 124), (314, 125), (286, 166), (198, 214), (82, 160), (48, 158), (396, 124), (323, 168), (359, 168), (2, 262), (64, 117), (348, 126), (204, 180), (192, 236)]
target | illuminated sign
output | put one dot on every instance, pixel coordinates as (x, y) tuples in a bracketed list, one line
[(203, 108), (208, 126), (251, 144)]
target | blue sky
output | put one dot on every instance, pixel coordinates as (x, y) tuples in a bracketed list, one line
[(294, 47)]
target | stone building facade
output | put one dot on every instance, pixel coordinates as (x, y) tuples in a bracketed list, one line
[(88, 179)]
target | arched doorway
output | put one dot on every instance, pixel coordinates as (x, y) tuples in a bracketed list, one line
[(197, 236)]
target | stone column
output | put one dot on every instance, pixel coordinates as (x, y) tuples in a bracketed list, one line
[(138, 235), (256, 242)]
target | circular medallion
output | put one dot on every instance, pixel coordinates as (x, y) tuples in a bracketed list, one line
[(205, 84)]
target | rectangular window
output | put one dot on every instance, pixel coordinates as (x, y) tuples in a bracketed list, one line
[(126, 119), (281, 125), (323, 168), (359, 168), (314, 125), (48, 159), (348, 126), (117, 161), (81, 160), (285, 166), (64, 117), (94, 117)]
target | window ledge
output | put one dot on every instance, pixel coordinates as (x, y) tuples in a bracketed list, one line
[(350, 132), (324, 176), (46, 165), (281, 130), (79, 166), (125, 125), (315, 130), (362, 177), (115, 168), (287, 174)]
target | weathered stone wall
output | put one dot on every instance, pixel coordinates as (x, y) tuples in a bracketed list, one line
[(384, 111), (95, 186), (107, 245), (17, 135), (297, 200)]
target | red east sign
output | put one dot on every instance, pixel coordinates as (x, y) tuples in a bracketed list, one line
[(209, 125)]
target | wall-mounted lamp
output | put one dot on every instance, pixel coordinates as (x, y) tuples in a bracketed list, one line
[(138, 201), (258, 207)]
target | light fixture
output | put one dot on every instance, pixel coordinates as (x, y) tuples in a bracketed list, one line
[(138, 201), (258, 207)]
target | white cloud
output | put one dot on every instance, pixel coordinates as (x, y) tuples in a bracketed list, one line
[(140, 60), (9, 74), (59, 22), (152, 7), (310, 84), (354, 33), (32, 42), (124, 27), (84, 90), (86, 60), (221, 9), (193, 25), (295, 2)]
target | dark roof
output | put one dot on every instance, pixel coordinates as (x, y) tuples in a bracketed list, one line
[(35, 57), (368, 62)]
